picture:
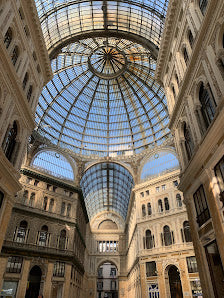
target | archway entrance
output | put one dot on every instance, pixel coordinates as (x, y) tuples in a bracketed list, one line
[(107, 281), (175, 282), (34, 282)]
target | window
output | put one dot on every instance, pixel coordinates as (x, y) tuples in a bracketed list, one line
[(189, 146), (175, 183), (167, 236), (70, 194), (143, 210), (113, 285), (201, 206), (43, 236), (149, 240), (203, 6), (59, 269), (45, 203), (178, 200), (190, 38), (112, 271), (25, 80), (21, 232), (166, 203), (149, 208), (62, 241), (1, 198), (186, 233), (192, 265), (51, 206), (185, 54), (36, 182), (173, 91), (14, 264), (68, 210), (147, 192), (219, 173), (208, 105), (48, 187), (160, 206), (100, 285), (54, 188), (157, 189), (163, 186), (32, 199), (100, 272), (10, 143), (151, 269), (8, 38), (15, 55), (62, 208), (29, 93), (142, 194), (177, 79), (9, 288)]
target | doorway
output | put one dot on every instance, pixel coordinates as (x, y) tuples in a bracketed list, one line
[(33, 286), (107, 281), (175, 282)]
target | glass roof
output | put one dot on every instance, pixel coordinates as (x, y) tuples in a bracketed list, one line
[(103, 99), (62, 20), (107, 187)]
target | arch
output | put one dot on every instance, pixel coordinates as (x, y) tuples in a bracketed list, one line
[(189, 145), (21, 232), (51, 205), (25, 80), (185, 55), (32, 199), (45, 203), (54, 163), (62, 241), (69, 207), (34, 282), (190, 38), (167, 237), (23, 224), (161, 161), (203, 6), (108, 224), (175, 286), (149, 240), (112, 261), (29, 92), (179, 200)]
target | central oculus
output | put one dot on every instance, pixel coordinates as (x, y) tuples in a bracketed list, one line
[(107, 62)]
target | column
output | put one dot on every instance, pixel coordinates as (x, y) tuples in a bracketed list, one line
[(3, 263), (47, 283), (21, 292), (143, 280), (186, 287), (66, 286), (161, 280)]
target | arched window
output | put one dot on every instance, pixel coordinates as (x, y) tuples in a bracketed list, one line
[(62, 208), (166, 203), (45, 203), (21, 232), (62, 240), (32, 199), (43, 236), (149, 208), (185, 54), (167, 238), (68, 210), (190, 38), (149, 240), (29, 93), (178, 200), (208, 105), (173, 90), (10, 141), (15, 55), (25, 80), (203, 6), (160, 206), (189, 146), (186, 234), (177, 79), (51, 205), (8, 37), (143, 210)]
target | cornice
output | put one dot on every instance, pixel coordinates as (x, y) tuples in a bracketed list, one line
[(30, 11), (165, 44)]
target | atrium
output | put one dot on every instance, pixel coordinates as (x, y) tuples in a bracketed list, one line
[(112, 148)]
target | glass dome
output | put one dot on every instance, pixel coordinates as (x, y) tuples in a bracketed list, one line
[(103, 99)]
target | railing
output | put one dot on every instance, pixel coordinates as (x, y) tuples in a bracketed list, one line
[(161, 249), (107, 246), (162, 214)]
